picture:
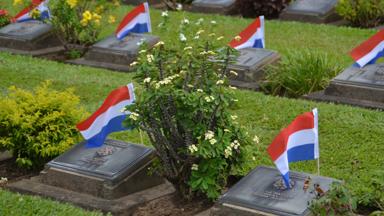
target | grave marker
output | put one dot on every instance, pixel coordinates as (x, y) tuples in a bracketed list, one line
[(356, 86), (262, 192), (250, 67), (115, 54), (213, 6), (115, 174), (30, 38), (315, 11)]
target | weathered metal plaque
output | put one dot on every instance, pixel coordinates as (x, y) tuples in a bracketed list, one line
[(113, 161), (260, 191), (250, 64), (115, 54), (318, 11), (365, 83), (26, 30), (213, 6)]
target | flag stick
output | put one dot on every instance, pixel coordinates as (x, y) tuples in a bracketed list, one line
[(318, 166)]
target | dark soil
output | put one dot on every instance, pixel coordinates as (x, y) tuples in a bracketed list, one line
[(172, 205), (9, 170)]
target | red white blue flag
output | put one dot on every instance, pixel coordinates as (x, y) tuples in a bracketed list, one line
[(108, 118), (252, 36), (26, 13), (136, 21), (369, 51), (297, 142)]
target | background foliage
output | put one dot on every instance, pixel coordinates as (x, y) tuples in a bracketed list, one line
[(38, 126), (268, 8), (362, 13)]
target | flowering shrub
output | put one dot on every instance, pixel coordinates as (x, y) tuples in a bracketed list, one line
[(80, 21), (184, 109), (38, 126), (5, 18), (362, 13)]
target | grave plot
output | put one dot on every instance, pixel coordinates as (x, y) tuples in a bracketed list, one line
[(115, 54), (29, 38), (314, 11), (112, 178), (137, 2), (213, 6), (262, 192), (356, 86), (250, 67)]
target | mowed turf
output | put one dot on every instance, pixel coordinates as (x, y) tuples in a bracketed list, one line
[(351, 139)]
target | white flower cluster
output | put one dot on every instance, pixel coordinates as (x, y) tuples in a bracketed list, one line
[(164, 14), (147, 80), (199, 21), (166, 81), (256, 139), (193, 148), (233, 73), (182, 37), (150, 58), (220, 82), (185, 21), (195, 167), (210, 137), (134, 116), (233, 117), (160, 43), (228, 152), (200, 90), (133, 64), (235, 144), (3, 181), (209, 99)]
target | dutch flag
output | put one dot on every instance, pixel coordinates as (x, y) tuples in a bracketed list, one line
[(136, 21), (369, 51), (252, 36), (108, 118), (40, 5), (297, 142)]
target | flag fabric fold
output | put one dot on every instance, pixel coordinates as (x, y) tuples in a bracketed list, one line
[(26, 13), (108, 118), (252, 36), (297, 142), (369, 51), (136, 21)]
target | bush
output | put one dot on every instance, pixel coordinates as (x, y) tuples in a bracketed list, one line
[(80, 21), (372, 196), (38, 126), (184, 109), (362, 13), (268, 8), (300, 73), (337, 201)]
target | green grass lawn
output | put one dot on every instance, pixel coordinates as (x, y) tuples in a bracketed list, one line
[(351, 139)]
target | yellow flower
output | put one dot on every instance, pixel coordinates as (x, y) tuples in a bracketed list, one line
[(17, 2), (116, 3), (99, 9), (96, 16), (97, 22), (72, 3), (87, 16), (111, 19), (84, 22)]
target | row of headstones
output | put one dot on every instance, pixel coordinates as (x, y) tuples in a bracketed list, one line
[(114, 178), (314, 11), (356, 86)]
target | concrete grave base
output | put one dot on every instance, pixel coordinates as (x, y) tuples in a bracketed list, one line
[(312, 11), (125, 205), (213, 6), (36, 53), (250, 67), (111, 53), (356, 86), (5, 155)]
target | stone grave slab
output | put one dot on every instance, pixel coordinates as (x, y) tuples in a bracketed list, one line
[(5, 155), (115, 54), (29, 38), (213, 6), (314, 11), (137, 2), (356, 86), (250, 67), (261, 193), (116, 174)]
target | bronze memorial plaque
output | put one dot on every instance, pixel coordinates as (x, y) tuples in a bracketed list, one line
[(250, 65), (31, 37), (263, 191), (317, 11), (115, 54), (213, 6)]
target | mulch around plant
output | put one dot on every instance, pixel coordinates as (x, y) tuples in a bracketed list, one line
[(9, 170), (173, 205)]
